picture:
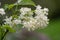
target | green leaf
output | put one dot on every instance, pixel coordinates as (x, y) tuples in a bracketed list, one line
[(27, 2), (18, 27), (7, 27), (11, 6), (14, 16), (8, 6), (2, 31)]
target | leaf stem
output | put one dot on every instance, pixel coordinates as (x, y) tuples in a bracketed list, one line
[(4, 34)]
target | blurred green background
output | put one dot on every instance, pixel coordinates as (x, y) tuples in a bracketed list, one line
[(53, 29)]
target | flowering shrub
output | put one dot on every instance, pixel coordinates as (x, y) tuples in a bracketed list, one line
[(25, 17)]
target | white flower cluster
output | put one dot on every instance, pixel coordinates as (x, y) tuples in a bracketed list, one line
[(41, 16), (2, 12), (8, 21), (39, 20), (11, 22)]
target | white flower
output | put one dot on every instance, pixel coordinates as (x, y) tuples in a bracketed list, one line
[(17, 21), (25, 12), (30, 25), (46, 9), (38, 10), (11, 22), (38, 7), (41, 17), (2, 12), (8, 21), (25, 9)]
